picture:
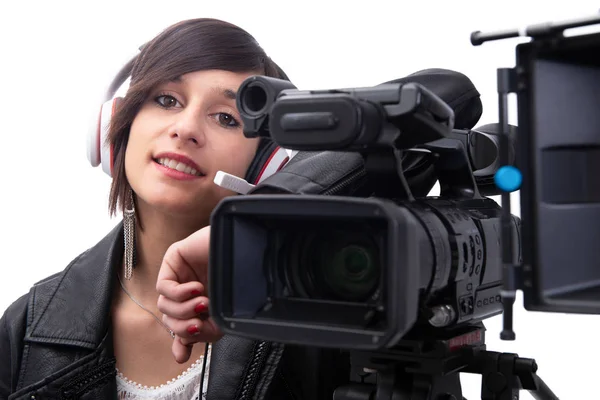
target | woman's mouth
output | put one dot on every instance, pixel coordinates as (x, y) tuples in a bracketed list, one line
[(178, 166)]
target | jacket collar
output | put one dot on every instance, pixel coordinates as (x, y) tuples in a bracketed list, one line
[(86, 286)]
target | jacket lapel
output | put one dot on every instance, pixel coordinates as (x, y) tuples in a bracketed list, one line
[(81, 376), (72, 308), (242, 368), (226, 377), (68, 347)]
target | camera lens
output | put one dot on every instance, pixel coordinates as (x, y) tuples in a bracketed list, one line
[(349, 272), (336, 265)]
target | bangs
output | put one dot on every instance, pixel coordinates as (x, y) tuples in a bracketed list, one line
[(189, 46)]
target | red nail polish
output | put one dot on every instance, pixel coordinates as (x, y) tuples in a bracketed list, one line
[(201, 308), (196, 292), (192, 329)]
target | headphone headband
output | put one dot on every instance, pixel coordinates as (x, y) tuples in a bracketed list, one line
[(120, 78)]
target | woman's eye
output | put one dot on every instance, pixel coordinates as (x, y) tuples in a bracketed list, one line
[(227, 120), (166, 101)]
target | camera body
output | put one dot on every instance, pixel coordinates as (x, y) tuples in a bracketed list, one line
[(367, 269)]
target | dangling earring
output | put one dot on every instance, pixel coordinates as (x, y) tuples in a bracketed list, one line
[(129, 235)]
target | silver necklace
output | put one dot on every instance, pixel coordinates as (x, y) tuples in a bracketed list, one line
[(145, 309)]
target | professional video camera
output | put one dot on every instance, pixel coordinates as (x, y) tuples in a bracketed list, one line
[(361, 260), (402, 281)]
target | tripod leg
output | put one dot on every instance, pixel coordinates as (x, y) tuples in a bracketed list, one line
[(543, 391)]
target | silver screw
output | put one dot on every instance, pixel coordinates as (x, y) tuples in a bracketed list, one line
[(442, 315)]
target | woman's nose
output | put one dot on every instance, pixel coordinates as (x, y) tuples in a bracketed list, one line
[(189, 129)]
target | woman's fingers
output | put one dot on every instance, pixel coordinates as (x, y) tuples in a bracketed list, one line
[(179, 291), (194, 307), (209, 332), (194, 330), (180, 351), (182, 294), (184, 261), (182, 346)]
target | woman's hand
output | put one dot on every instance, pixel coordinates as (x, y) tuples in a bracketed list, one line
[(182, 295)]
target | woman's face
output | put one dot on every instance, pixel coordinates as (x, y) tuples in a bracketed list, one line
[(184, 133)]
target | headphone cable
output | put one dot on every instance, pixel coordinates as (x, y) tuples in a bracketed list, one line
[(201, 389)]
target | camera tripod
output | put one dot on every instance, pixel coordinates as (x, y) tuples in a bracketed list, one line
[(429, 370)]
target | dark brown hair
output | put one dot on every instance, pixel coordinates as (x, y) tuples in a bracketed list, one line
[(187, 46)]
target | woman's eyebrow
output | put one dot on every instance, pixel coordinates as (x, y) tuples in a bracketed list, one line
[(229, 94), (222, 91)]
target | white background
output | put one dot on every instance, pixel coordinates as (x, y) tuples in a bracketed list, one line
[(57, 58)]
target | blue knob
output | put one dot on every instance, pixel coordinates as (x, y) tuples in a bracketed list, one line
[(508, 178)]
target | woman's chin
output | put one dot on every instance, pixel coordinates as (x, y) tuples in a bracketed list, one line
[(183, 206)]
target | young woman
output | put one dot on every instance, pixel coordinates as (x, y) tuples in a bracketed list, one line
[(94, 330)]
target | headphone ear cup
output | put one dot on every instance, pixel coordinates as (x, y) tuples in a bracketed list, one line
[(275, 162), (93, 141), (99, 152)]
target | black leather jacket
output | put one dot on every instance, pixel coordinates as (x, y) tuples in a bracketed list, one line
[(56, 343)]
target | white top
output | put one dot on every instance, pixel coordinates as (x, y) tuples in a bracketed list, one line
[(184, 387)]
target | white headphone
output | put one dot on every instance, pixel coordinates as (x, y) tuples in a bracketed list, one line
[(98, 150)]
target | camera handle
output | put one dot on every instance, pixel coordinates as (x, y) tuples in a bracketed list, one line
[(429, 370)]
